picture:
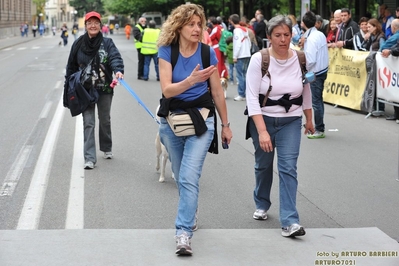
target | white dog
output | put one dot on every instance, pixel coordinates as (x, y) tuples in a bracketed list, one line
[(161, 153), (224, 83)]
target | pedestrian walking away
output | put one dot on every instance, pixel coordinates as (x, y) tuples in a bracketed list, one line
[(317, 60), (34, 29), (276, 99), (128, 31), (186, 66), (241, 54), (64, 35), (149, 49), (104, 59)]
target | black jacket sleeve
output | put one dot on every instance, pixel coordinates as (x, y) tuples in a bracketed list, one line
[(137, 33), (395, 50), (115, 60)]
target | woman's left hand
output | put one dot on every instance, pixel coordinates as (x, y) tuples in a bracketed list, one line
[(309, 128), (227, 135)]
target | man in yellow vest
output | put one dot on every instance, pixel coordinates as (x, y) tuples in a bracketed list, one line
[(138, 35), (149, 48)]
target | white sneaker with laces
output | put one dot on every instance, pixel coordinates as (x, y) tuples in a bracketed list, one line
[(239, 98), (89, 165), (260, 215), (293, 230), (183, 244), (108, 155)]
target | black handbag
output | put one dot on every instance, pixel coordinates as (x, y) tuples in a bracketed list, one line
[(81, 91), (79, 97), (254, 48)]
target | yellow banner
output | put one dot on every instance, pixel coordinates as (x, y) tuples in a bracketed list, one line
[(346, 78)]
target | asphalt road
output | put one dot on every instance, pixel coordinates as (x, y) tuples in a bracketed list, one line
[(347, 180)]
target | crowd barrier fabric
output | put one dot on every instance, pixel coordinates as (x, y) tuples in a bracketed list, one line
[(387, 79), (346, 78)]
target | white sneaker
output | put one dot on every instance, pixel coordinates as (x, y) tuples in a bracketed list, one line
[(239, 98), (293, 230), (183, 244), (89, 165), (108, 155), (260, 215)]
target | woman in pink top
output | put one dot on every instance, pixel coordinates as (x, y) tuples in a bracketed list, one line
[(277, 126)]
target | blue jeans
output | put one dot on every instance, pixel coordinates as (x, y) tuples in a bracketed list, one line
[(187, 156), (89, 122), (241, 68), (231, 72), (317, 101), (147, 62), (285, 134)]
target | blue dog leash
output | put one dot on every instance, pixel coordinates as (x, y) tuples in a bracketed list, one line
[(130, 90)]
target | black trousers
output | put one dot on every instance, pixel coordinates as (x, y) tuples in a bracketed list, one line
[(140, 70)]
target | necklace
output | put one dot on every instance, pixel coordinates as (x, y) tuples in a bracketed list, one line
[(279, 61)]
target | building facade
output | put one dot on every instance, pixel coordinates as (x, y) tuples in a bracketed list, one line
[(14, 13)]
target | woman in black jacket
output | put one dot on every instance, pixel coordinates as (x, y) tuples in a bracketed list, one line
[(103, 56), (375, 36)]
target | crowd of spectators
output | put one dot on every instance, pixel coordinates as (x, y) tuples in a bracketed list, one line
[(341, 31)]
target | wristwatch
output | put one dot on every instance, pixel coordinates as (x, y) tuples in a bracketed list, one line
[(225, 125)]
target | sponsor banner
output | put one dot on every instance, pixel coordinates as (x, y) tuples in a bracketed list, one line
[(346, 78), (387, 79)]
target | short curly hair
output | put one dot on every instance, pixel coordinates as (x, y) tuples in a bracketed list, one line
[(180, 16)]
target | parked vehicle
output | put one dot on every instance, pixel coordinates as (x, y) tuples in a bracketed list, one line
[(156, 16)]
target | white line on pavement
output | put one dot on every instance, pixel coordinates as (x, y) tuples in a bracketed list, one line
[(6, 57), (58, 84), (13, 175), (31, 211), (75, 213), (45, 110)]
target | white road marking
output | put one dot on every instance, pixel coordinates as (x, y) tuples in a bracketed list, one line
[(21, 48), (75, 213), (13, 175), (45, 110), (8, 56), (32, 209), (58, 84)]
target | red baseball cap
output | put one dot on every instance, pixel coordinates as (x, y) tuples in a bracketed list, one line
[(92, 14)]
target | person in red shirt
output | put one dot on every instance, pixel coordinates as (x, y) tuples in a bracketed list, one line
[(215, 37), (331, 31)]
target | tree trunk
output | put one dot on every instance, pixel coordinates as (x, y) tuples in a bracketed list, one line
[(291, 7)]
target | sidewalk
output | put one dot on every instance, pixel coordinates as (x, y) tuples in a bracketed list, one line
[(320, 246), (11, 41)]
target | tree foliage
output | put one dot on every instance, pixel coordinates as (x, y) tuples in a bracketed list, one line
[(212, 7), (84, 6), (39, 6)]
